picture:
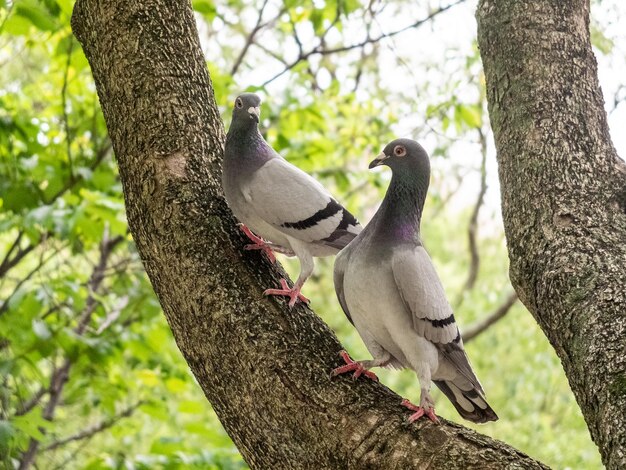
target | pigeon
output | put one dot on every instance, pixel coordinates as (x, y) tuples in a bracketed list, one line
[(388, 288), (282, 208)]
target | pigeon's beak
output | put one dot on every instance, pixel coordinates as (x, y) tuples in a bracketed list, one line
[(255, 113), (378, 160)]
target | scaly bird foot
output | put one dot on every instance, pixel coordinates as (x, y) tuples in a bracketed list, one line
[(419, 412), (351, 366), (258, 243), (293, 293)]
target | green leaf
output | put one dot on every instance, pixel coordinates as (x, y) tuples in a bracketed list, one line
[(38, 16), (192, 407), (206, 7), (6, 435), (31, 423)]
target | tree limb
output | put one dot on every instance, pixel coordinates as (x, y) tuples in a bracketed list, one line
[(95, 429), (474, 330), (9, 262), (263, 367), (321, 50), (60, 375), (472, 228), (249, 39)]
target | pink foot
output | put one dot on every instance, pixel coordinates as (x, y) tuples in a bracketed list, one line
[(419, 412), (293, 293), (350, 366), (257, 243)]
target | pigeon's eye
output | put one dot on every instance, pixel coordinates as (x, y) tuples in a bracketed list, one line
[(239, 103), (399, 151)]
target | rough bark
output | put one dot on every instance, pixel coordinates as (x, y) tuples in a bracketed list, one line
[(563, 197), (264, 369)]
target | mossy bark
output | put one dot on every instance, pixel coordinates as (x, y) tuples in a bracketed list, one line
[(563, 203), (264, 369)]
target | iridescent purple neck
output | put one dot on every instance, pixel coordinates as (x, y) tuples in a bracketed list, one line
[(398, 219)]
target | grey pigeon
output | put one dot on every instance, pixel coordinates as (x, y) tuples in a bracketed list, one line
[(389, 289), (290, 211)]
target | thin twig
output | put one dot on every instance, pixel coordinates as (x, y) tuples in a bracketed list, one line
[(321, 50), (95, 429), (7, 262), (61, 375), (249, 39), (472, 229), (32, 402), (478, 328), (100, 155), (42, 262), (14, 245), (66, 118)]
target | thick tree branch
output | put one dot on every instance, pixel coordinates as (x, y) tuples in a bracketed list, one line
[(263, 367), (563, 198)]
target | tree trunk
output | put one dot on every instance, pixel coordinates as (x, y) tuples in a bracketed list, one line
[(264, 369), (563, 197)]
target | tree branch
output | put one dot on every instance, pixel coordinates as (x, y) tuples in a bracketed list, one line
[(42, 262), (60, 376), (9, 262), (472, 229), (249, 39), (564, 216), (95, 429), (474, 330), (251, 355), (31, 402), (66, 118), (321, 50)]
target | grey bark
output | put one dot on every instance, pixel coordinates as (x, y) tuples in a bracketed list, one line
[(563, 197), (264, 369)]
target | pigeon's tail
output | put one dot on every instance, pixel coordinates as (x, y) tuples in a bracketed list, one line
[(470, 404), (340, 238)]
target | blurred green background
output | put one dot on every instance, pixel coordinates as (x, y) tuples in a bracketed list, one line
[(91, 377)]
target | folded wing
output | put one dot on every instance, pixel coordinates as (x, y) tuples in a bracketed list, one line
[(299, 206)]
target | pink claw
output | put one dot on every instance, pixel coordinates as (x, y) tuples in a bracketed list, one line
[(419, 412), (350, 366), (257, 243), (293, 293)]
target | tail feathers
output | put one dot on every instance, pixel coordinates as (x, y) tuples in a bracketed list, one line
[(339, 239), (470, 404)]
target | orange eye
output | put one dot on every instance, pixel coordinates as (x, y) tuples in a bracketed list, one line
[(239, 103), (399, 151)]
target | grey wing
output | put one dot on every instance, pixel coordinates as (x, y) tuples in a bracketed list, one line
[(299, 206), (424, 296), (341, 262)]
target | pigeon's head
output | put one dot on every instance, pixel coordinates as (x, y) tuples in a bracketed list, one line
[(404, 157), (246, 110)]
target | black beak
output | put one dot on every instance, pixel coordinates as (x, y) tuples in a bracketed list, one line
[(378, 160)]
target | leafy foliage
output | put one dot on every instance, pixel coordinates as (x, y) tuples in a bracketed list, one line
[(91, 377)]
